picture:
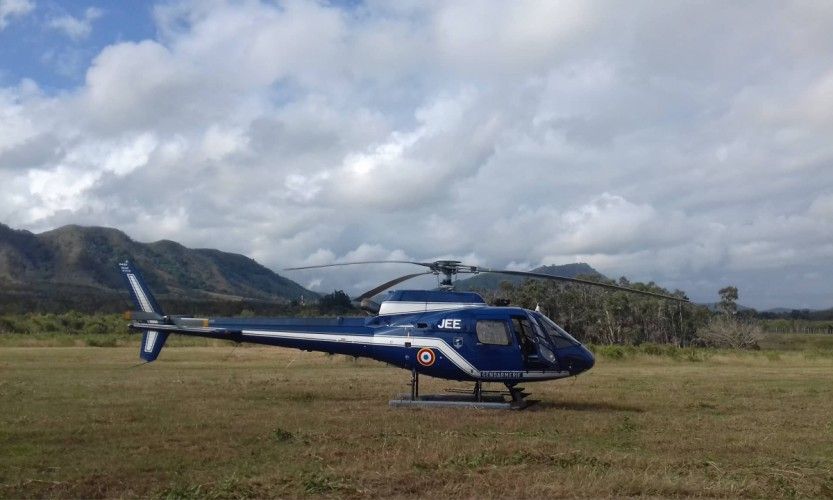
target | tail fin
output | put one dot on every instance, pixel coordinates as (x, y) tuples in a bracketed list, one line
[(152, 340)]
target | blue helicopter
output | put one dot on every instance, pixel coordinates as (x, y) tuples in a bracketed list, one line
[(440, 333)]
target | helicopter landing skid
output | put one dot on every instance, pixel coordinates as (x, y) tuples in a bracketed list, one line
[(461, 398)]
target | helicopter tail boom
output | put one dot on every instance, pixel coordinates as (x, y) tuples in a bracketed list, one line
[(152, 340)]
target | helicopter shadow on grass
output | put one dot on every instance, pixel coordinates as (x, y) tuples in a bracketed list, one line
[(585, 406)]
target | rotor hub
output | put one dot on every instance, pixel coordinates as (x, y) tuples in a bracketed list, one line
[(448, 268)]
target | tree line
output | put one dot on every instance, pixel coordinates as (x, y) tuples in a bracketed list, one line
[(592, 315), (598, 316), (84, 323)]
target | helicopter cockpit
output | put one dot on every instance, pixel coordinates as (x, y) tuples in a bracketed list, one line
[(556, 346)]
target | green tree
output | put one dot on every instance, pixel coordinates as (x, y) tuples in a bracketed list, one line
[(337, 302), (728, 300)]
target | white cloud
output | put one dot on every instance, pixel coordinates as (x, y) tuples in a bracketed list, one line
[(58, 189), (15, 119), (520, 38), (14, 8), (76, 28), (137, 85), (218, 143), (611, 223)]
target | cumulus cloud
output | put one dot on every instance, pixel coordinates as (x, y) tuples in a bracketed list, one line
[(76, 28), (10, 9), (684, 144)]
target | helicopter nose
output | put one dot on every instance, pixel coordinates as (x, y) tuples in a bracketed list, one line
[(589, 359), (576, 359)]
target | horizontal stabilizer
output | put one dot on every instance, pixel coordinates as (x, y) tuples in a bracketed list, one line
[(143, 316), (194, 330), (190, 322)]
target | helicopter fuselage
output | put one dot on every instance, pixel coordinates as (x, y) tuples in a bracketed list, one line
[(505, 344)]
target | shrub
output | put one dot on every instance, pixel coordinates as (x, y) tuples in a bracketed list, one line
[(729, 332), (610, 351), (96, 328), (653, 349), (13, 324)]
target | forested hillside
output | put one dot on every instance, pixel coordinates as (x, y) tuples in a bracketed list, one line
[(75, 267)]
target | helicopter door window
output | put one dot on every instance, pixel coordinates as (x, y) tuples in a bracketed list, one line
[(541, 343), (492, 332), (525, 336)]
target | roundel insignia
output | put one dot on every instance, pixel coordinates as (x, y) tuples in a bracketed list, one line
[(426, 356)]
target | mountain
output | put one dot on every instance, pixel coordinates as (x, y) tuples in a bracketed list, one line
[(75, 264), (715, 307), (488, 281), (778, 310), (795, 313)]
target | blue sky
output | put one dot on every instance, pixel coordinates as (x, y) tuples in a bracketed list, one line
[(686, 143), (36, 45)]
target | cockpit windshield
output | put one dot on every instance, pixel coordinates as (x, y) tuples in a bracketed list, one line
[(558, 336)]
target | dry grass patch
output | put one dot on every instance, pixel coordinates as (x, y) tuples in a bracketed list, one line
[(209, 422)]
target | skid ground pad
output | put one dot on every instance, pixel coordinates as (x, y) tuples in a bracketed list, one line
[(458, 401)]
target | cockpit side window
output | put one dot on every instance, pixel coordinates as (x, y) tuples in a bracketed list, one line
[(492, 332), (558, 336)]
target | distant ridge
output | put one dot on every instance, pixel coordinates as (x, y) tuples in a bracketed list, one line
[(78, 265), (489, 281)]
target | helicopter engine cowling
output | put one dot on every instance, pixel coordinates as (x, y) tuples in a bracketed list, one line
[(418, 301)]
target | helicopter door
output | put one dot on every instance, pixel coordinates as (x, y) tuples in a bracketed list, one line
[(495, 349), (535, 352)]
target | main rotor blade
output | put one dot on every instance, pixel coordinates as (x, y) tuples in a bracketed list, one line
[(450, 267), (385, 286), (577, 280), (360, 262)]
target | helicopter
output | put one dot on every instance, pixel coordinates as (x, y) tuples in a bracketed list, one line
[(440, 333)]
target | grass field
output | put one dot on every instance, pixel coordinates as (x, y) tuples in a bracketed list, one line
[(220, 423)]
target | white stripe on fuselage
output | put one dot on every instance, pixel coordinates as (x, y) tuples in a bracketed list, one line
[(399, 341)]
